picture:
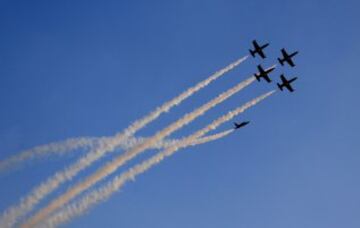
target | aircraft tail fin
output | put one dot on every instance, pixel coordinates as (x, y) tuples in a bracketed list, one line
[(280, 86), (257, 77)]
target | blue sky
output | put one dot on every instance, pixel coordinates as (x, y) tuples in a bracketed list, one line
[(89, 68)]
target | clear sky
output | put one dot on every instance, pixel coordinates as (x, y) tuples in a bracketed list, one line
[(89, 68)]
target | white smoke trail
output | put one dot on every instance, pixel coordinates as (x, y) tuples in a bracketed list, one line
[(44, 150), (61, 148), (117, 162), (206, 139), (176, 101), (132, 142), (75, 143), (77, 208), (99, 195), (13, 214)]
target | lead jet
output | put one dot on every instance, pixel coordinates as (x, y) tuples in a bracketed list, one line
[(286, 83), (264, 73), (287, 58), (258, 49), (240, 125)]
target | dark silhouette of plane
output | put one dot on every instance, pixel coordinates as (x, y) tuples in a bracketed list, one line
[(258, 49), (263, 73), (287, 58), (286, 83), (240, 125)]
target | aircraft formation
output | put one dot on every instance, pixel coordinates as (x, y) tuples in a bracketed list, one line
[(286, 58), (77, 198)]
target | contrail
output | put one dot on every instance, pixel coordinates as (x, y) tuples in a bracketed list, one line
[(11, 216), (99, 195), (120, 160)]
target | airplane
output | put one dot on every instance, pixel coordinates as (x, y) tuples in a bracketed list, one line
[(287, 58), (286, 83), (263, 73), (258, 49), (240, 125)]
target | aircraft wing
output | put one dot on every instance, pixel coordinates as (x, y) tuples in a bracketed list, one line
[(289, 87), (291, 63), (261, 53)]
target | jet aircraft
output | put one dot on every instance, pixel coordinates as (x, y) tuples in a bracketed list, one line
[(240, 125), (286, 83), (258, 49), (263, 73), (287, 58)]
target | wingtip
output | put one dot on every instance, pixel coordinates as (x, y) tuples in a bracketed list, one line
[(252, 53), (281, 62)]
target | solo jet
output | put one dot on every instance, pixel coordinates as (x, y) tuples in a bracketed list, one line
[(240, 125), (286, 83), (287, 58), (258, 49), (263, 73)]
